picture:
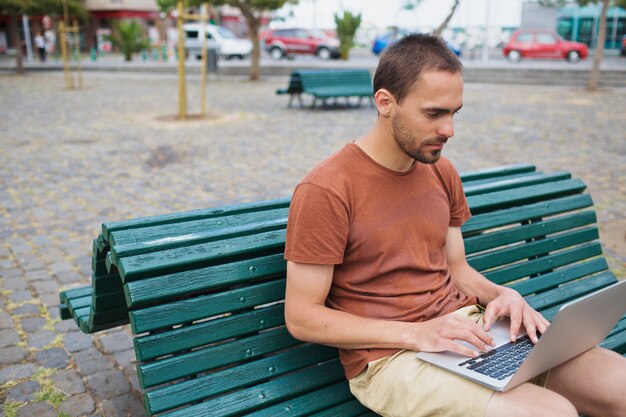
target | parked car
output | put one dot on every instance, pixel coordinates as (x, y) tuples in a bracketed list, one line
[(542, 43), (230, 46), (622, 51), (280, 43), (383, 41)]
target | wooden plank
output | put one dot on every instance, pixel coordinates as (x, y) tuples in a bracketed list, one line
[(524, 195), (550, 302), (500, 185), (64, 312), (352, 408), (147, 239), (261, 395), (616, 340), (515, 215), (109, 227), (206, 386), (523, 251), (199, 334), (544, 264), (163, 287), (529, 231), (475, 182), (497, 172), (547, 281), (212, 357), (197, 256), (204, 306), (306, 404)]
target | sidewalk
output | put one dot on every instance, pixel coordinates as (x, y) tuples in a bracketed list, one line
[(70, 160)]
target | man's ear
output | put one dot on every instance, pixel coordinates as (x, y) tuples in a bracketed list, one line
[(384, 102)]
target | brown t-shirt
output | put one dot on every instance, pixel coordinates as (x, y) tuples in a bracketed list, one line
[(385, 232)]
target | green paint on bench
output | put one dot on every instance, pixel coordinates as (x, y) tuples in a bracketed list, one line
[(324, 84), (203, 292)]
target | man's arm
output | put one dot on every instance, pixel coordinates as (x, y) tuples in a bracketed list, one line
[(309, 319), (499, 300)]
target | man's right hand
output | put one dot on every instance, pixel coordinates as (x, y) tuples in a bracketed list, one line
[(445, 332)]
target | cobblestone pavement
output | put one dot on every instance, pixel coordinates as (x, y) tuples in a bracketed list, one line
[(70, 160)]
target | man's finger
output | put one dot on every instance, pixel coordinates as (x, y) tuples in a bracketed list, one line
[(516, 322), (530, 325), (490, 313), (460, 349)]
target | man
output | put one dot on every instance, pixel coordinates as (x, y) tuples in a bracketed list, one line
[(376, 263)]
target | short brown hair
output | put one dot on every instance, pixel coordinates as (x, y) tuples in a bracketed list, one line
[(403, 62)]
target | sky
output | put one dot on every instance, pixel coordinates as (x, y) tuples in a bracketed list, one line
[(384, 13)]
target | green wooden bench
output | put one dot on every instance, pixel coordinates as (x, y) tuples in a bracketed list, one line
[(328, 84), (203, 292)]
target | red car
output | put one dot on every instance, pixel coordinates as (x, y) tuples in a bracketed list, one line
[(539, 43), (280, 43)]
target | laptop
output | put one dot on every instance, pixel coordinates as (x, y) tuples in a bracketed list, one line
[(578, 326)]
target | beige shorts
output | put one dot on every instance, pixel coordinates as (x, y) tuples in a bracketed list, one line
[(403, 386)]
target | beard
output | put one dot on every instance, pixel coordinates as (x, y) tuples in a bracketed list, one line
[(406, 141)]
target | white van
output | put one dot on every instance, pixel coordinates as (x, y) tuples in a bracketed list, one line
[(230, 46)]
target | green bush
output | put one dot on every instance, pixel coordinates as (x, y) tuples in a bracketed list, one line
[(347, 26), (128, 37)]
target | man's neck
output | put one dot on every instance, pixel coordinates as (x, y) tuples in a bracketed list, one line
[(379, 145)]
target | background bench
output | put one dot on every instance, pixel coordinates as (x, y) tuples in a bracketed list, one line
[(329, 84), (203, 293)]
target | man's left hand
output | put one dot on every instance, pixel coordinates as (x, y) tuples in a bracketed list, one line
[(510, 303)]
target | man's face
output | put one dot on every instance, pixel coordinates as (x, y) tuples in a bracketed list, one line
[(422, 124)]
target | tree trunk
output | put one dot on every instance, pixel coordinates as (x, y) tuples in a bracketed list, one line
[(255, 64), (15, 34), (443, 24), (594, 75), (254, 23)]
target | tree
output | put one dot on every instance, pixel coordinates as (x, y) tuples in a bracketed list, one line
[(414, 4), (594, 75), (252, 10), (128, 36), (16, 8), (347, 26)]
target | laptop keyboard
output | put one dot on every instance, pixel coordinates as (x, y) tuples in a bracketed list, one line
[(503, 361)]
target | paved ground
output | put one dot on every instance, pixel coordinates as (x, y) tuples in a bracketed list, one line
[(70, 160)]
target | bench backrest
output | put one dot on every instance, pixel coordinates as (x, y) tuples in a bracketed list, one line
[(337, 78), (204, 292)]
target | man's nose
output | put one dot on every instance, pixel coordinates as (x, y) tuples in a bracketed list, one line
[(446, 128)]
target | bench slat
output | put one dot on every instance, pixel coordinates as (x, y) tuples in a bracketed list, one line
[(480, 222), (500, 171), (188, 337), (266, 394), (197, 308), (550, 302), (205, 359), (147, 239), (352, 408), (540, 247), (150, 290), (550, 280), (172, 260), (500, 185), (525, 232), (309, 403), (525, 195), (206, 386), (109, 227), (543, 265)]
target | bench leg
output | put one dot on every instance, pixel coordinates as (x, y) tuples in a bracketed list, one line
[(290, 100), (360, 100), (301, 101), (313, 102), (347, 101), (372, 105)]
